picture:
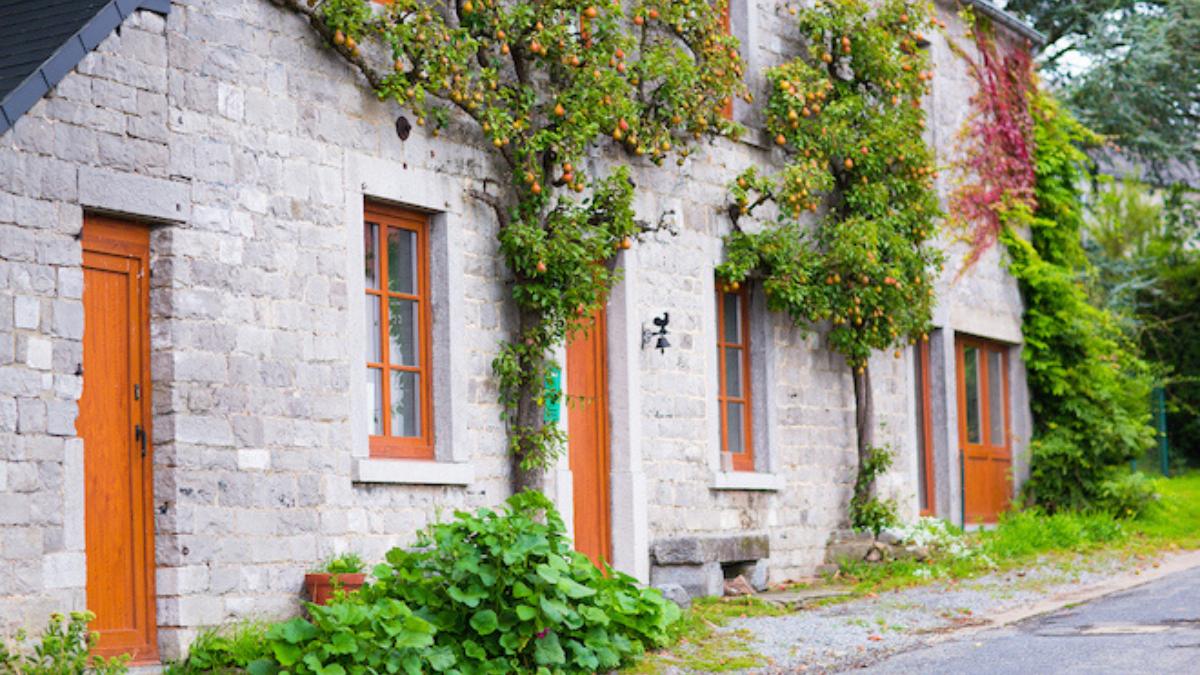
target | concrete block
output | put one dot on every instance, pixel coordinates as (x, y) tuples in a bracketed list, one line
[(27, 312), (710, 548), (38, 353), (697, 580), (67, 569), (134, 194)]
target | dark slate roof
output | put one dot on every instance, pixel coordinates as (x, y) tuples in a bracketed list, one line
[(43, 40)]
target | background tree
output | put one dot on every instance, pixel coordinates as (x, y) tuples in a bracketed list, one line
[(847, 112), (545, 84), (1129, 69), (1142, 245)]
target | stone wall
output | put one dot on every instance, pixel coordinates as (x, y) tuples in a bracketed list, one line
[(251, 148)]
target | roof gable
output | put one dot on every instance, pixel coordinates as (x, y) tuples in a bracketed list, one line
[(43, 40)]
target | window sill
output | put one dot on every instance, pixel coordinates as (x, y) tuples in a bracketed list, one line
[(412, 472), (747, 480)]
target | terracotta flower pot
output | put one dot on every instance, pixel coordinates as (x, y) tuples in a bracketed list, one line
[(320, 586)]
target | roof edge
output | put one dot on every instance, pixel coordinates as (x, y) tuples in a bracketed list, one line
[(66, 57), (1009, 21)]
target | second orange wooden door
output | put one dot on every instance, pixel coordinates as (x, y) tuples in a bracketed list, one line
[(587, 429), (114, 423), (983, 429)]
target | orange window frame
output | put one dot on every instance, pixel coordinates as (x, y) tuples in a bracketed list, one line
[(387, 445), (742, 461), (926, 436)]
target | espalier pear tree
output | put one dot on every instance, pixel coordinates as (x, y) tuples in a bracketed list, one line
[(544, 85), (847, 242)]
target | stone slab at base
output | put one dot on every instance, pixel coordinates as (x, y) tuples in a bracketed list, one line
[(698, 563)]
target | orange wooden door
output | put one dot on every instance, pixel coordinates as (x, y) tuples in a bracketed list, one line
[(587, 428), (983, 429), (114, 423)]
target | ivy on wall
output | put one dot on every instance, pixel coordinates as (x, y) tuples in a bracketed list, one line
[(1089, 387), (854, 208), (544, 84)]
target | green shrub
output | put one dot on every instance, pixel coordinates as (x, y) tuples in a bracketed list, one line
[(869, 513), (1089, 386), (1032, 531), (229, 649), (62, 650), (1127, 495), (489, 592)]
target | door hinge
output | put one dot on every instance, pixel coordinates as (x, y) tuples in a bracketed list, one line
[(139, 434), (137, 392)]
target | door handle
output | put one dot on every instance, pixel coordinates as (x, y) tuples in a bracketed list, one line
[(139, 435)]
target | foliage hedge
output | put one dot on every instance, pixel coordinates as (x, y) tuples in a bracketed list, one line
[(490, 592), (1090, 387)]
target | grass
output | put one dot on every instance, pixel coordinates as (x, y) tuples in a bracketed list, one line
[(1175, 518), (699, 648), (1021, 537)]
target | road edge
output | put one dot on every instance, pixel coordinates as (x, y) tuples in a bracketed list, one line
[(1140, 576)]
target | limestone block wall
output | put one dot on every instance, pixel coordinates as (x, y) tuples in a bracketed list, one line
[(250, 149)]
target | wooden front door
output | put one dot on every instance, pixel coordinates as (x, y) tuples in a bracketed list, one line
[(587, 429), (983, 429), (114, 423)]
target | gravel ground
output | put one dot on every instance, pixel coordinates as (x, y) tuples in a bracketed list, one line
[(860, 632)]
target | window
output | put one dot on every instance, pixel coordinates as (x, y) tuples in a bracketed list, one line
[(396, 274), (925, 480), (733, 359)]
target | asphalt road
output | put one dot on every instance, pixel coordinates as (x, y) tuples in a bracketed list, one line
[(1153, 628)]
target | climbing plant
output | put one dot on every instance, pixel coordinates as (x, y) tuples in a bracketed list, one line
[(853, 210), (545, 84), (1024, 171), (1090, 388), (993, 182)]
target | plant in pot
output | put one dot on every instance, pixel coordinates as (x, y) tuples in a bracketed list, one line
[(343, 573)]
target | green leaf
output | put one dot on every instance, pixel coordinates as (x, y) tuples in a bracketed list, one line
[(484, 622), (548, 573), (525, 612), (441, 658), (573, 589), (473, 650), (470, 597), (298, 630), (286, 654), (262, 667), (554, 610), (342, 642), (547, 651)]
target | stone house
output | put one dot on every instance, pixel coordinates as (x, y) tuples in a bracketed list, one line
[(188, 417)]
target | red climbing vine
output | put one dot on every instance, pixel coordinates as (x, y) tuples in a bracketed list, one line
[(997, 141)]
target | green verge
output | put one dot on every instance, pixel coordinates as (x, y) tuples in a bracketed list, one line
[(702, 642), (1023, 538)]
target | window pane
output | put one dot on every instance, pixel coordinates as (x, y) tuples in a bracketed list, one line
[(919, 397), (402, 260), (375, 401), (733, 372), (735, 428), (371, 254), (373, 328), (402, 330), (995, 372), (406, 404), (971, 382), (733, 318)]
